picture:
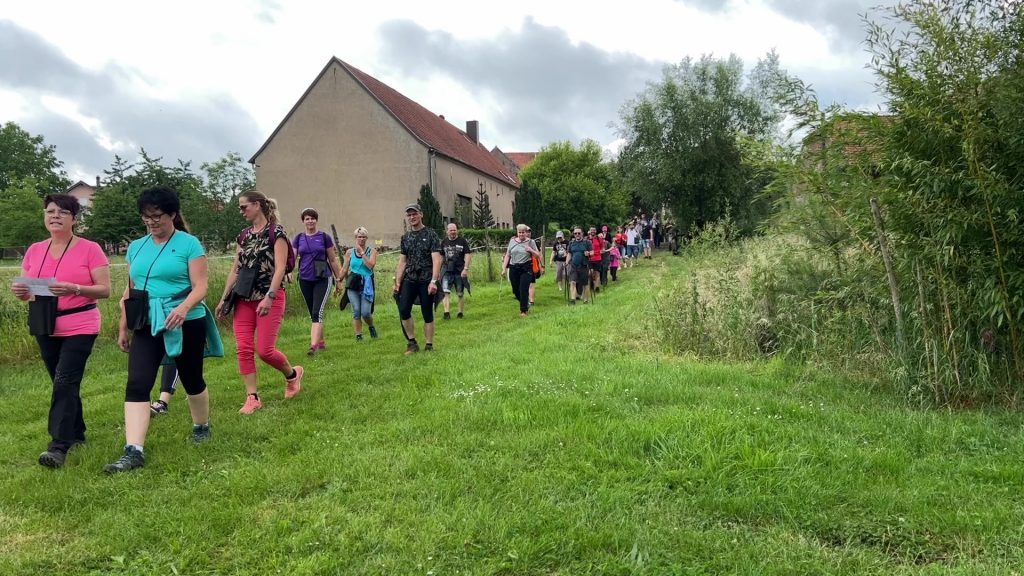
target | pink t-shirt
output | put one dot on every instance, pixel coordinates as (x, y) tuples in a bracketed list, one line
[(614, 255), (76, 267)]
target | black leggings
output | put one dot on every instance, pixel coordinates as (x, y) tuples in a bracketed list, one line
[(520, 276), (407, 297), (147, 351), (316, 292), (65, 358)]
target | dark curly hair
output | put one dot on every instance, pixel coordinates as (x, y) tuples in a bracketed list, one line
[(167, 201), (64, 202)]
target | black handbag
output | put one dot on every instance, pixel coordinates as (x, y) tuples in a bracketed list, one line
[(320, 268)]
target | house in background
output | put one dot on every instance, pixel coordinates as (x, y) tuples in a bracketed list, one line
[(83, 192), (358, 152)]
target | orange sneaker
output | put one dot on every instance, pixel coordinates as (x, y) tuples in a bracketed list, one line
[(252, 404), (293, 386)]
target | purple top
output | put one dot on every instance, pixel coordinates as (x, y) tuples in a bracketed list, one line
[(310, 248)]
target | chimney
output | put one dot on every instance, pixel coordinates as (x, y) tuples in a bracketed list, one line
[(97, 181), (473, 130)]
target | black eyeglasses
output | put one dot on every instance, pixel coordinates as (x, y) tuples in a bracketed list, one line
[(152, 217)]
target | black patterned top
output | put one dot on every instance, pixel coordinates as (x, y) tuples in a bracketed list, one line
[(418, 246), (257, 252)]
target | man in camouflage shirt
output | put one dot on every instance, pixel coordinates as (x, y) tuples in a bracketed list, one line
[(417, 274)]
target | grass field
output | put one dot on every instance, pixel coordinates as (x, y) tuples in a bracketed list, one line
[(562, 443)]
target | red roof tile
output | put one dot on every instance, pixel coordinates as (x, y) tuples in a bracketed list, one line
[(521, 158), (433, 131)]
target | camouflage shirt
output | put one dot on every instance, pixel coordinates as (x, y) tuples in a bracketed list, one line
[(418, 247)]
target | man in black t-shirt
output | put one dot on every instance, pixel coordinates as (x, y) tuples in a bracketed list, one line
[(417, 275), (559, 258), (457, 256)]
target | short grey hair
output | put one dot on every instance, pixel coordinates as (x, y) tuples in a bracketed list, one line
[(361, 230), (522, 227)]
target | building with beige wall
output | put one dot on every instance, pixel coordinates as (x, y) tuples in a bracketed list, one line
[(358, 152)]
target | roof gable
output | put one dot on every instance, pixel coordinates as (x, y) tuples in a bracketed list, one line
[(427, 127)]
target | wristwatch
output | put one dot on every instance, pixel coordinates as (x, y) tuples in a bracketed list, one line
[(271, 294)]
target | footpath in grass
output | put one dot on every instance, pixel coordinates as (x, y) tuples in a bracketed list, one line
[(562, 443)]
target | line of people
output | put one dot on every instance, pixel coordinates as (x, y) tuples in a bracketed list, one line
[(164, 320)]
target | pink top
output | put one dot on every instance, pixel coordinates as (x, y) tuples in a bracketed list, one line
[(76, 267), (614, 255)]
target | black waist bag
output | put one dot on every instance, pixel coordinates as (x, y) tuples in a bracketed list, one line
[(320, 268), (355, 282), (43, 314), (245, 281)]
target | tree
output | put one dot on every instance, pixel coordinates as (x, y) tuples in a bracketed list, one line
[(529, 208), (574, 184), (228, 177), (482, 217), (683, 137), (431, 210), (24, 157), (21, 214)]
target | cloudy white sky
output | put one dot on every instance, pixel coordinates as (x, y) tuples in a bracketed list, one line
[(196, 79)]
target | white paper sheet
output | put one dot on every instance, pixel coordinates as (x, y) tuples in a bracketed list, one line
[(37, 286)]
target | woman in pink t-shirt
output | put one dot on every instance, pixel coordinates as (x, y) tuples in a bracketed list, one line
[(66, 332)]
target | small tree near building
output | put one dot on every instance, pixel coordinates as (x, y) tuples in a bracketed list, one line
[(431, 209), (482, 217)]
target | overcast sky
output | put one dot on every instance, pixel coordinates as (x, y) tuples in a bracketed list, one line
[(194, 80)]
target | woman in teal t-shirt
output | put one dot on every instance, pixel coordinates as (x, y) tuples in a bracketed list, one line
[(168, 272)]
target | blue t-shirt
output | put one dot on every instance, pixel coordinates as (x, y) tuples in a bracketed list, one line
[(169, 273), (309, 249)]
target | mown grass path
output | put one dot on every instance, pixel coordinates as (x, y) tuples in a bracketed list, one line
[(563, 443)]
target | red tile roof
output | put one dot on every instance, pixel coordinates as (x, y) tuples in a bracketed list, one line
[(427, 127), (521, 158)]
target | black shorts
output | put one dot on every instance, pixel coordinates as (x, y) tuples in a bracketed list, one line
[(595, 265), (580, 275)]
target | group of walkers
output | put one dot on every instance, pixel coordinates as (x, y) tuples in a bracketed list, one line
[(164, 320)]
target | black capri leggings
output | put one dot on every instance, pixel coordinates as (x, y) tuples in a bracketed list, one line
[(147, 351), (520, 276), (407, 296), (316, 294)]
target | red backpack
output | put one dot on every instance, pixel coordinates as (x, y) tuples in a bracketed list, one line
[(289, 264)]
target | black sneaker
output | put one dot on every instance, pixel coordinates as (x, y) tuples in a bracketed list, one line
[(447, 315), (201, 433), (412, 348), (459, 315), (52, 458), (373, 331), (429, 347), (132, 458), (359, 337), (158, 407)]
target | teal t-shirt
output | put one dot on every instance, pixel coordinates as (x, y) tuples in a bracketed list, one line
[(169, 273)]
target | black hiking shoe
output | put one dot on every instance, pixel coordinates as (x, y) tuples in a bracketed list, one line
[(412, 348), (52, 458), (201, 433), (132, 458)]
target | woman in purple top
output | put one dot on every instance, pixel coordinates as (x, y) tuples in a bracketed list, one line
[(319, 270), (67, 321)]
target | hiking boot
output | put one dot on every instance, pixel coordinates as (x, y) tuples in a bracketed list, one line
[(293, 386), (52, 458), (132, 458), (252, 404), (447, 315), (373, 331), (359, 337), (159, 407), (412, 348), (201, 433), (459, 315)]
